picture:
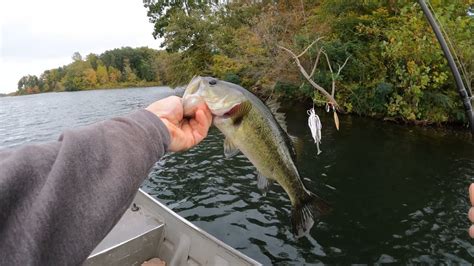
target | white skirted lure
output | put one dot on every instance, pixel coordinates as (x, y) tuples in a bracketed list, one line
[(315, 126)]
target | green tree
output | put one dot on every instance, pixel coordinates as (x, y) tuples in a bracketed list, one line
[(89, 78), (76, 78), (29, 84), (77, 57), (115, 75), (128, 74), (161, 13), (93, 60), (102, 74)]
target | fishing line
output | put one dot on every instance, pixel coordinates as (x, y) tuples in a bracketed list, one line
[(452, 46)]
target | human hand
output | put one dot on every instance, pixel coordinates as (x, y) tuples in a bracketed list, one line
[(184, 133), (471, 210)]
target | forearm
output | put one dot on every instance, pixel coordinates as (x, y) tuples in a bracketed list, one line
[(58, 200)]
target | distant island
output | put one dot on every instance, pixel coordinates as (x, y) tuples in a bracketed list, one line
[(122, 67)]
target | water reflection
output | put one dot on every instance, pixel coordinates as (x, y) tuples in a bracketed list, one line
[(42, 117)]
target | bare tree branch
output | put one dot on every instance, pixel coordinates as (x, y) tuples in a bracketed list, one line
[(308, 78), (302, 11), (309, 46), (316, 63), (334, 77), (329, 96), (343, 65), (337, 76), (333, 84)]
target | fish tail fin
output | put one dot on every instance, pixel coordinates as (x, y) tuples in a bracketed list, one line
[(304, 213)]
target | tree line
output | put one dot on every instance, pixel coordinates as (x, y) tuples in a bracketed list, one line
[(395, 69), (121, 67)]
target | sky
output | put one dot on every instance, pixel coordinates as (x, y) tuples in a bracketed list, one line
[(40, 35)]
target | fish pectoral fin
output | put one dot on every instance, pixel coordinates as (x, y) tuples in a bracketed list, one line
[(263, 183), (230, 149), (309, 209)]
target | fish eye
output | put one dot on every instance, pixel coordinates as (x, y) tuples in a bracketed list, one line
[(212, 82)]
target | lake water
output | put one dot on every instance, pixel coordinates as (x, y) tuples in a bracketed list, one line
[(399, 193)]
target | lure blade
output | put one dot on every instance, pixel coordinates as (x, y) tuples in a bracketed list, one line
[(336, 120)]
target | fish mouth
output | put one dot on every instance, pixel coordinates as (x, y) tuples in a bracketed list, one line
[(191, 102), (225, 112), (231, 111), (221, 100)]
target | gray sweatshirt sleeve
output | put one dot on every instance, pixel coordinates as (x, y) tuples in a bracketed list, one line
[(58, 200)]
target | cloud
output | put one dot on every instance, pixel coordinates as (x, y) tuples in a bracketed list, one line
[(12, 71), (21, 43), (39, 35)]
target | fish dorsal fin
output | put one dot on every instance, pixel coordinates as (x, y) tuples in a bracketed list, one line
[(230, 149), (274, 105), (263, 183), (297, 145)]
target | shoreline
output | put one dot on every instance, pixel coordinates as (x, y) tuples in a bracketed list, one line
[(448, 126), (113, 87)]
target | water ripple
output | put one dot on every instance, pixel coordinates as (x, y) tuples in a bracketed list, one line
[(399, 194)]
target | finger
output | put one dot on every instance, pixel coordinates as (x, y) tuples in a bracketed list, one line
[(187, 139), (470, 214), (208, 115), (198, 137), (201, 123), (206, 111), (195, 125), (200, 106), (198, 132), (471, 231), (176, 135), (202, 119), (178, 108), (193, 131), (205, 118), (200, 126), (471, 193)]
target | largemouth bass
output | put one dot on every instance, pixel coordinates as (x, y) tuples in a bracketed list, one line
[(250, 127)]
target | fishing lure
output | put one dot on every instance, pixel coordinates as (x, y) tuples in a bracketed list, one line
[(315, 126)]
